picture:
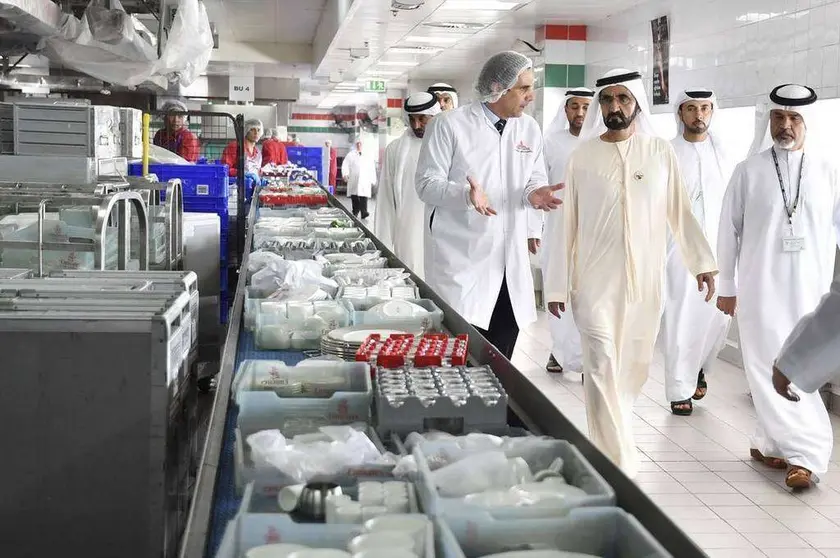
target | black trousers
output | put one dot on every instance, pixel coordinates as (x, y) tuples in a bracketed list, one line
[(503, 330), (360, 205)]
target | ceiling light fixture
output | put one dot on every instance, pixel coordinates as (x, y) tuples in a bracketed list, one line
[(414, 50), (433, 40), (483, 5), (453, 26), (383, 73), (397, 63)]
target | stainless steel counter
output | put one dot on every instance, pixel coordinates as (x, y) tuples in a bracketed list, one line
[(528, 403)]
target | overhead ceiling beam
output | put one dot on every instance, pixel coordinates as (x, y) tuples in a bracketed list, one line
[(262, 53), (335, 20)]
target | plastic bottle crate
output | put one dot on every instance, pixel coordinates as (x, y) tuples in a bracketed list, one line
[(310, 158), (197, 181)]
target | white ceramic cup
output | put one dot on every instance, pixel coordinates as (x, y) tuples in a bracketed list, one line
[(289, 496), (370, 512), (321, 553), (348, 512), (414, 524), (385, 553), (388, 540)]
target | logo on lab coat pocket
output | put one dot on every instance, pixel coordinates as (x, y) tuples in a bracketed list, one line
[(522, 148), (638, 175)]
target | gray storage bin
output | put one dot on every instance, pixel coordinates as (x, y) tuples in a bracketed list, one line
[(432, 322), (602, 532), (269, 481), (413, 416), (577, 471)]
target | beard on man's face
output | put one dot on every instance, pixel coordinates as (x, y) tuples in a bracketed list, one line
[(619, 121), (697, 127)]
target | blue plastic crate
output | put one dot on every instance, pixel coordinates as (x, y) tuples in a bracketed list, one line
[(197, 181), (311, 158)]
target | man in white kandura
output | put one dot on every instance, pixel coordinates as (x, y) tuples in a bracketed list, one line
[(481, 167), (561, 138), (693, 331), (399, 212), (446, 95), (623, 194), (777, 239)]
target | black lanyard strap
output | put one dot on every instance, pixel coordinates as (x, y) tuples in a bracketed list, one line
[(791, 211)]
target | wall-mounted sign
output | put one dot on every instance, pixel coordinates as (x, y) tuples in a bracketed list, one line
[(661, 57), (241, 89), (375, 86)]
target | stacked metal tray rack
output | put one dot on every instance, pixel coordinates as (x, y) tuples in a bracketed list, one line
[(215, 501)]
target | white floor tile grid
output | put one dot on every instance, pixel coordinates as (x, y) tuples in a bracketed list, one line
[(698, 468)]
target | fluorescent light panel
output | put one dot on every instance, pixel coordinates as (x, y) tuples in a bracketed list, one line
[(403, 63), (482, 5), (433, 40), (414, 50)]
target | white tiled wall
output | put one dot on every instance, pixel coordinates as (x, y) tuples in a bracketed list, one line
[(740, 48)]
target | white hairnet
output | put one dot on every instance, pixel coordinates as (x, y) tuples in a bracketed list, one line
[(499, 74), (174, 106), (594, 126), (275, 133), (789, 97), (561, 122), (445, 89), (254, 123)]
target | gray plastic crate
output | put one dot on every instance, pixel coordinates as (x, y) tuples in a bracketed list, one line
[(266, 410), (269, 481), (258, 522), (602, 532), (413, 416), (577, 471), (432, 322)]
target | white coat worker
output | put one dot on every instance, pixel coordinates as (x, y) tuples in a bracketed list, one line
[(481, 167), (446, 95), (398, 222), (776, 249), (624, 192), (561, 138), (810, 357), (693, 331), (359, 172)]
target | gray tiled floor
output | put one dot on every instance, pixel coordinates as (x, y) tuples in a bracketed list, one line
[(698, 469)]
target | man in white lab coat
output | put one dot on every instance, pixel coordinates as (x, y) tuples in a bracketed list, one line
[(623, 194), (777, 239), (481, 167), (810, 357), (359, 171), (446, 95), (693, 331), (561, 138), (399, 212)]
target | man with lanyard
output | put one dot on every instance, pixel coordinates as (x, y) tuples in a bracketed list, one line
[(693, 331), (777, 236)]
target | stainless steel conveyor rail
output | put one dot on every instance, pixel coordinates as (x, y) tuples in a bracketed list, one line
[(530, 405)]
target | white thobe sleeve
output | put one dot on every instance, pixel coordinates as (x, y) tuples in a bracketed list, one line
[(810, 357), (345, 168), (729, 233), (431, 180), (686, 231), (386, 206), (562, 244), (538, 177)]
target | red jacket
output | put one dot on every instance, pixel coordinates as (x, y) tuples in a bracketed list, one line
[(333, 166), (182, 142), (274, 152), (253, 159)]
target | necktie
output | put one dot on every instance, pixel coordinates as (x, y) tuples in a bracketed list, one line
[(500, 125)]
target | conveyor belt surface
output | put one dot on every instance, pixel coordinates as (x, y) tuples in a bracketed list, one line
[(226, 502)]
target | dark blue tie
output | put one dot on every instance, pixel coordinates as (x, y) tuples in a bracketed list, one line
[(500, 125)]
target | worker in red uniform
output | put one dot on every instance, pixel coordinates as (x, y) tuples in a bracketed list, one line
[(253, 155), (175, 136), (273, 150), (333, 171)]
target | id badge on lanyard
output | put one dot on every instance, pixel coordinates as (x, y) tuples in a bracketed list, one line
[(791, 242)]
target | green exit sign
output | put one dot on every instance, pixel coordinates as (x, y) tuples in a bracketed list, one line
[(375, 86)]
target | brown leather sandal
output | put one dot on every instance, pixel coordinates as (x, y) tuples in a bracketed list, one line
[(772, 462), (798, 477)]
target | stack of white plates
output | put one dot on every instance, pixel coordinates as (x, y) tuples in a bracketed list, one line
[(345, 342)]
